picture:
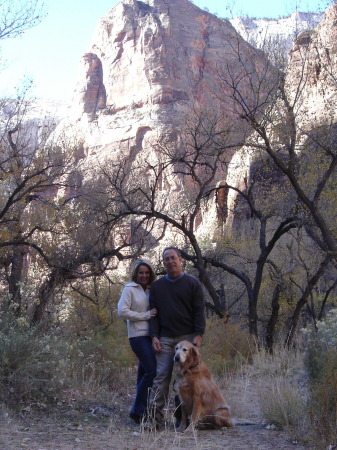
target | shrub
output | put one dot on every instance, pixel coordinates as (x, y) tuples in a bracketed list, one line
[(321, 364), (283, 389), (27, 363), (101, 358), (284, 406), (98, 354), (226, 346), (35, 366)]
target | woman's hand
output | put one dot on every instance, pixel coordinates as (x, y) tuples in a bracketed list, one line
[(153, 312)]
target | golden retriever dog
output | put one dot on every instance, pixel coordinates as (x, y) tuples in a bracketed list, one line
[(202, 403)]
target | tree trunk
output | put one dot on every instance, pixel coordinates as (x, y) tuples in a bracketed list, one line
[(303, 300), (16, 278), (326, 296), (275, 307), (204, 278), (46, 295)]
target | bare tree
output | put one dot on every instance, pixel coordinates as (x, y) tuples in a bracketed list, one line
[(192, 161), (53, 227), (177, 189), (271, 216), (17, 16), (300, 145), (273, 125)]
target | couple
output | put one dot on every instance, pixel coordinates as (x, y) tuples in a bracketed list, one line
[(159, 317)]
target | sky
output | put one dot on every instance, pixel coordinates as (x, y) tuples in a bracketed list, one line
[(49, 54)]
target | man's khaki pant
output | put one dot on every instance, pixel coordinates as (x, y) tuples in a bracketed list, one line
[(161, 384)]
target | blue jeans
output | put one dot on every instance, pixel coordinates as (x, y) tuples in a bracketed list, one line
[(142, 348)]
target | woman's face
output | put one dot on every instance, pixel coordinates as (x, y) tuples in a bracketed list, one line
[(143, 275)]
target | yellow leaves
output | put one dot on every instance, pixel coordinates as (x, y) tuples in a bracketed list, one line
[(5, 235)]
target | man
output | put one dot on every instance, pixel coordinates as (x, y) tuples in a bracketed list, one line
[(179, 301)]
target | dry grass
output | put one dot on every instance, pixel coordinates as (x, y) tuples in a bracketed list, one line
[(283, 393), (226, 347), (76, 428), (258, 387), (272, 388)]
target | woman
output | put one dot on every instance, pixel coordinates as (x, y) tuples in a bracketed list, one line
[(134, 307)]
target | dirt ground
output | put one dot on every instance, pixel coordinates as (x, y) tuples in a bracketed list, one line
[(72, 426)]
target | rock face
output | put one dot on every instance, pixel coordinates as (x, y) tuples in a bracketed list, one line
[(282, 31), (93, 95), (158, 53), (312, 67), (149, 63), (310, 85), (148, 66)]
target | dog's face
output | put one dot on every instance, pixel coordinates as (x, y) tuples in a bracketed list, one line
[(184, 351)]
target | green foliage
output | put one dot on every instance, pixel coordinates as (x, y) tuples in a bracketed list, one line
[(324, 399), (321, 364), (101, 357), (226, 346), (321, 344), (98, 347), (27, 363), (36, 366)]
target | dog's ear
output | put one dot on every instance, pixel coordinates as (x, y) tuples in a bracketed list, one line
[(195, 354)]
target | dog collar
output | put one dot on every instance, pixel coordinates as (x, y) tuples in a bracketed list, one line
[(190, 368)]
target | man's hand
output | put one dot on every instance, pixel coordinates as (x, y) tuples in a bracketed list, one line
[(156, 344), (197, 341)]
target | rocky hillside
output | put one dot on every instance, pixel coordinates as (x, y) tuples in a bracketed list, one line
[(283, 30), (150, 63)]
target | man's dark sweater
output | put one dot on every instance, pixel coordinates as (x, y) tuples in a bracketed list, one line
[(181, 307)]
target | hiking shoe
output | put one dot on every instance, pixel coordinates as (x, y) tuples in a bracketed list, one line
[(137, 419)]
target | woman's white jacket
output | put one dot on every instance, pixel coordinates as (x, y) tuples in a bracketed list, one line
[(134, 307)]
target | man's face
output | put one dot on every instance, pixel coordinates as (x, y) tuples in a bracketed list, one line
[(172, 263)]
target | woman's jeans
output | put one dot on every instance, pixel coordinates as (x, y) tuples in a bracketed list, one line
[(142, 347)]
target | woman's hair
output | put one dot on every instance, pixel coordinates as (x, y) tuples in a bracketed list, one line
[(142, 262)]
